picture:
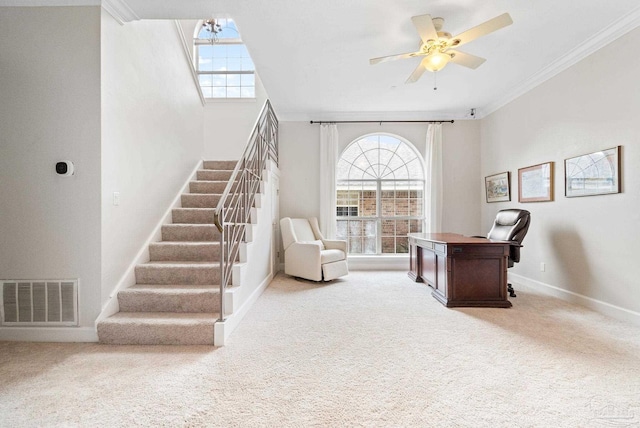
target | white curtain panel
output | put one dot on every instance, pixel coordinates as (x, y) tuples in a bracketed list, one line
[(433, 175), (328, 161)]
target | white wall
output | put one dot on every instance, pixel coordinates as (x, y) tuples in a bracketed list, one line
[(228, 124), (50, 111), (299, 167), (152, 134), (587, 243)]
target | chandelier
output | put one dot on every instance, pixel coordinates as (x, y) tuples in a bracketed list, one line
[(213, 28)]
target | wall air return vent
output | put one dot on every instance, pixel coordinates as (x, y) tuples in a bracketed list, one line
[(39, 303)]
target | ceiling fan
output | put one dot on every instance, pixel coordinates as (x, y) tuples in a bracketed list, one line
[(437, 46)]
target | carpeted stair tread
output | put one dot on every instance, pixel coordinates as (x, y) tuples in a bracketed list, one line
[(193, 215), (158, 328), (190, 232), (169, 272), (211, 174), (192, 251), (200, 200), (215, 287), (220, 165), (170, 298), (202, 186)]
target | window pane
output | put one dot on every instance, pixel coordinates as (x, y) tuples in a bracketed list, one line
[(219, 64), (235, 51), (219, 79), (205, 80), (369, 246), (247, 65), (341, 229), (248, 80), (233, 64), (219, 51), (205, 64), (207, 92), (233, 80), (219, 92), (248, 92), (233, 92)]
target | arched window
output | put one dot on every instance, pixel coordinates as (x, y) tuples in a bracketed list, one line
[(223, 64), (380, 187)]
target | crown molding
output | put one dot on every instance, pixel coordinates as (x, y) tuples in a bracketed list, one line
[(120, 11), (599, 40), (291, 116)]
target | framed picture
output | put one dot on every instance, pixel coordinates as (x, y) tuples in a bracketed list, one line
[(596, 173), (535, 183), (497, 187)]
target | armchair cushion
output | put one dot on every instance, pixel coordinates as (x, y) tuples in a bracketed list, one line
[(330, 256)]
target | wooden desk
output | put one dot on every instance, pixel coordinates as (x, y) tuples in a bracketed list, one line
[(462, 271)]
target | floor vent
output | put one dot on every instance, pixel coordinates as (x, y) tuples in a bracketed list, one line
[(39, 303)]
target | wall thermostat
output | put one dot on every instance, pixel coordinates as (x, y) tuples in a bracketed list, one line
[(64, 168)]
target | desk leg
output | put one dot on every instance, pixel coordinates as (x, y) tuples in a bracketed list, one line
[(415, 255)]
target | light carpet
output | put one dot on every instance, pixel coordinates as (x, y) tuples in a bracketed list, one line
[(371, 349)]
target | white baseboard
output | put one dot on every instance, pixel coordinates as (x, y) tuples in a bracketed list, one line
[(222, 330), (604, 308), (49, 334)]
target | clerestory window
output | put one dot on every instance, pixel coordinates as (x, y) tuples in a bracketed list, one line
[(380, 187), (225, 68)]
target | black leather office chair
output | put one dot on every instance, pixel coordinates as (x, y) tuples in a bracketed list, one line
[(511, 225)]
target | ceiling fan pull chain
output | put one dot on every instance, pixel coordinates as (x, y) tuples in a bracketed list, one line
[(435, 81)]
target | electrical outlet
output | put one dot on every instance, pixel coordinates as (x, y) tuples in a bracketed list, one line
[(542, 267), (116, 198)]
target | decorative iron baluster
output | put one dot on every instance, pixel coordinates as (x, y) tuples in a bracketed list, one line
[(234, 208)]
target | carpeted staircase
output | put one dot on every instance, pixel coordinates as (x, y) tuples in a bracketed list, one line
[(175, 300)]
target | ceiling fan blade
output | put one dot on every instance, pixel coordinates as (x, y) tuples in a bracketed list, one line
[(483, 29), (465, 59), (425, 27), (373, 61), (417, 73)]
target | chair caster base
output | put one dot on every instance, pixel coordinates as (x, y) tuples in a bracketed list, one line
[(511, 291)]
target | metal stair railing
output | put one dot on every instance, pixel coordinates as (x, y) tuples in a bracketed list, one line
[(234, 208)]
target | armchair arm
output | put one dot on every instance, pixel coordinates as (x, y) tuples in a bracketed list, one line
[(303, 260), (334, 244)]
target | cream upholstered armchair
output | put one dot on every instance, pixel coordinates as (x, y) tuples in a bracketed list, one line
[(308, 255)]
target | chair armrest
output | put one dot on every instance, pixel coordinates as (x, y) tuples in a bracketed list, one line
[(334, 244), (303, 260)]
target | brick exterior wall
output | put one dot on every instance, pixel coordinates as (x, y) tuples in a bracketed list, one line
[(361, 234)]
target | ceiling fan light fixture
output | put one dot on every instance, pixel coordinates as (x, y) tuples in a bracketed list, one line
[(436, 61)]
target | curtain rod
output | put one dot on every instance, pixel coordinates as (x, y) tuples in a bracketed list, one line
[(381, 121)]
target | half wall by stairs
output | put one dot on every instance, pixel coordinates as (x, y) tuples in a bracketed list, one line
[(175, 299)]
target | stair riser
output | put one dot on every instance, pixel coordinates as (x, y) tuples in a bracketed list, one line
[(209, 186), (177, 275), (220, 165), (150, 334), (203, 301), (186, 253), (199, 233), (212, 175)]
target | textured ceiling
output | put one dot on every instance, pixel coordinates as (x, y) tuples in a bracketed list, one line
[(313, 56)]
